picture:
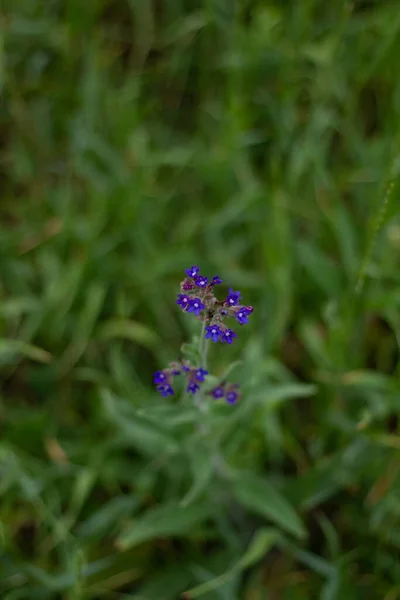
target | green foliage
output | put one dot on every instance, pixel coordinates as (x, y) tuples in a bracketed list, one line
[(260, 140)]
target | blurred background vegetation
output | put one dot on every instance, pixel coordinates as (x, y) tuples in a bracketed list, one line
[(260, 140)]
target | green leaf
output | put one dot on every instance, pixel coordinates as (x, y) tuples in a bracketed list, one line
[(230, 369), (329, 475), (130, 330), (164, 521), (148, 437), (94, 300), (320, 268), (81, 489), (191, 351), (9, 348), (261, 543), (315, 342), (167, 584), (102, 520), (259, 496), (276, 395), (202, 468)]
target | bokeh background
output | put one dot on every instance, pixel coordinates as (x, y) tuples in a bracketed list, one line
[(258, 139)]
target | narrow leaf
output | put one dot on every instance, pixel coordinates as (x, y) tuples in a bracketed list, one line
[(259, 496), (202, 468), (164, 521), (12, 347), (262, 542), (139, 432), (130, 330)]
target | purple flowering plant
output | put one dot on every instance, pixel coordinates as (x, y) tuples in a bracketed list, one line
[(197, 296)]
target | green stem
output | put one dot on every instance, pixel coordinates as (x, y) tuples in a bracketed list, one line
[(206, 346), (201, 342), (203, 346), (203, 349)]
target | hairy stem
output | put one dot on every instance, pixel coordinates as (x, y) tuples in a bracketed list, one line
[(201, 343), (203, 349), (206, 346)]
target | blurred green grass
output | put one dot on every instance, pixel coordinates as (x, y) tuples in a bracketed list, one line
[(257, 139)]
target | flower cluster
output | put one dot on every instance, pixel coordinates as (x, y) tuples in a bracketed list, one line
[(197, 296), (194, 377), (228, 391), (164, 379)]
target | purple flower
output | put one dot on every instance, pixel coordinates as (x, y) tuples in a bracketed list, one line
[(185, 368), (213, 332), (195, 306), (199, 374), (192, 387), (159, 377), (232, 396), (232, 298), (227, 336), (193, 271), (165, 389), (218, 392), (242, 315), (183, 301), (201, 281), (176, 372), (216, 280)]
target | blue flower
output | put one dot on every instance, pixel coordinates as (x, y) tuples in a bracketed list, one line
[(227, 336), (192, 387), (201, 281), (195, 306), (159, 377), (232, 298), (213, 332), (216, 280), (165, 389), (183, 301), (193, 271), (218, 392), (232, 396), (199, 374), (242, 315)]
